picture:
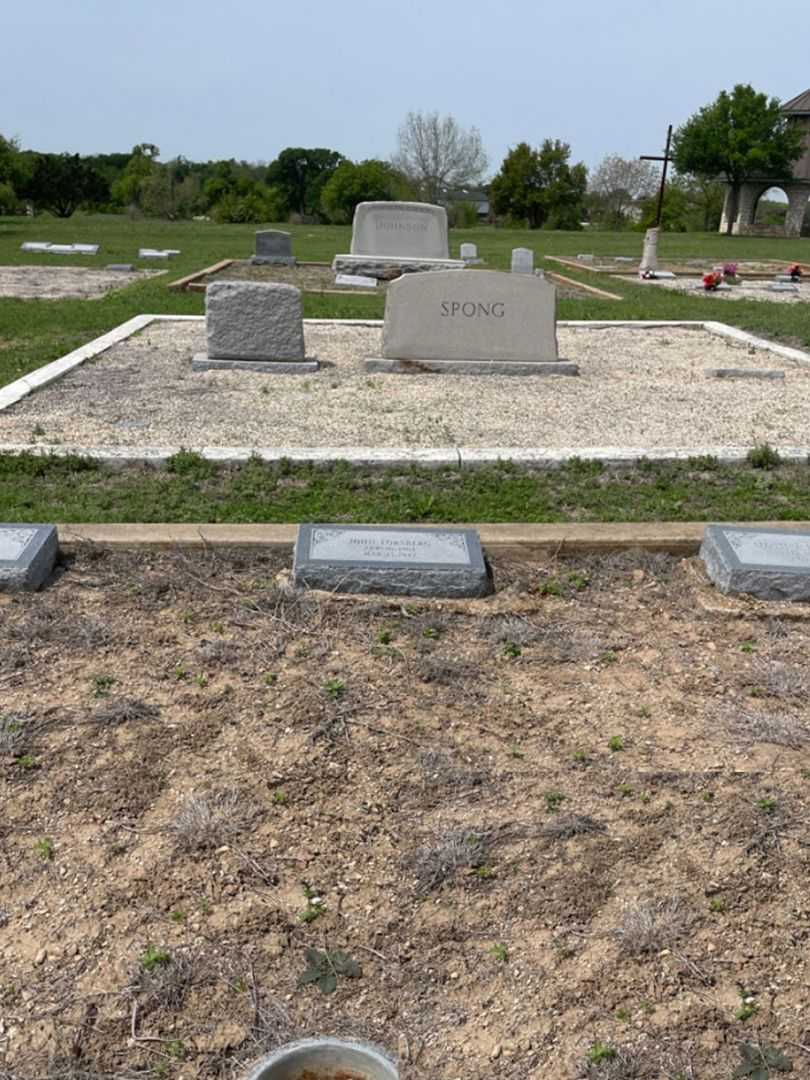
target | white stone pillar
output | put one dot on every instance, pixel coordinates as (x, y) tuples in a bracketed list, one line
[(649, 260)]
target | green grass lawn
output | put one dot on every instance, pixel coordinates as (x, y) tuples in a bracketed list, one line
[(33, 333), (193, 490)]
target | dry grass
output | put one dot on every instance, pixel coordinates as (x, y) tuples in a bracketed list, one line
[(457, 849), (649, 926), (754, 726), (14, 733), (124, 711), (206, 822), (567, 826)]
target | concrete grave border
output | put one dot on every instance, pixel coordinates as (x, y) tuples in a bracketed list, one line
[(369, 456)]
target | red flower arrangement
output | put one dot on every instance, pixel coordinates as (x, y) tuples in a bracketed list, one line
[(795, 271), (712, 280)]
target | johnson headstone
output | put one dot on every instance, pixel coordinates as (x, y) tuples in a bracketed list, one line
[(772, 564), (391, 560), (399, 236), (481, 322), (27, 555)]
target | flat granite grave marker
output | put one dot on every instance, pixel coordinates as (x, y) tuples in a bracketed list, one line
[(273, 248), (27, 555), (254, 326), (391, 560), (397, 236), (473, 322), (771, 564)]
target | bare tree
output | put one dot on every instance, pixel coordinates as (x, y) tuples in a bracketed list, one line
[(437, 155), (617, 185)]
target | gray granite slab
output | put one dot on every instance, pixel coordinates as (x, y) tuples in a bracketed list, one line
[(250, 320), (123, 267), (771, 564), (386, 267), (27, 555), (391, 559), (522, 261), (744, 373)]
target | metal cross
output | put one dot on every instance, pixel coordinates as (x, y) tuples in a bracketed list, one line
[(666, 160)]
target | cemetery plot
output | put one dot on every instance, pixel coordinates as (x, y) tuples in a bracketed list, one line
[(623, 264), (639, 387), (65, 282), (756, 289), (569, 815)]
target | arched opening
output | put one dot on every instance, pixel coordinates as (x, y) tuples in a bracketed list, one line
[(771, 209)]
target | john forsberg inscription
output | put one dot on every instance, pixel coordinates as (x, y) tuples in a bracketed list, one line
[(398, 561)]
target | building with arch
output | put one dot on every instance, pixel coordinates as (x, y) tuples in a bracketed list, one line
[(796, 187)]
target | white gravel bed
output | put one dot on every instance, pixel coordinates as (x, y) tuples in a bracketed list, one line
[(638, 387), (747, 290), (65, 282)]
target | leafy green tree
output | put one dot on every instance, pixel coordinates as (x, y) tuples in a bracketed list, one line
[(540, 187), (300, 175), (61, 183), (352, 183), (128, 188), (740, 136), (10, 174)]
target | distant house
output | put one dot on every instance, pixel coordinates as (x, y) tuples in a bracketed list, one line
[(477, 196)]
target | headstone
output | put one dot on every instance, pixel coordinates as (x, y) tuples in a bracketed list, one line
[(476, 323), (522, 261), (120, 266), (391, 560), (35, 245), (401, 229), (585, 258), (771, 564), (254, 326), (152, 253), (358, 280), (649, 259), (273, 247), (86, 249), (60, 249), (27, 555), (468, 251), (778, 286)]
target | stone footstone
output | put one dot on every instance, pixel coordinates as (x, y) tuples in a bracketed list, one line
[(123, 267), (391, 560), (393, 366), (203, 362), (778, 286), (744, 373), (27, 555), (771, 564)]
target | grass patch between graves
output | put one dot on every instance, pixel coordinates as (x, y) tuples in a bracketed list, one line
[(191, 489)]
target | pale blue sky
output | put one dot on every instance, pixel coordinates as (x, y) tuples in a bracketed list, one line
[(212, 79)]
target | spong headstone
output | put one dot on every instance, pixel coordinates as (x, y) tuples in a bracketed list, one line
[(391, 560), (522, 261), (476, 323), (27, 555), (771, 564), (273, 247), (254, 326)]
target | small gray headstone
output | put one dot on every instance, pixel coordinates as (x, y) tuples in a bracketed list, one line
[(357, 280), (468, 251), (522, 261), (86, 249), (27, 555), (124, 267), (255, 326), (152, 253), (35, 245), (778, 286), (391, 560), (585, 258), (60, 249), (274, 247), (772, 564)]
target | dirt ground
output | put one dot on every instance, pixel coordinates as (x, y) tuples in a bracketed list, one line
[(315, 277), (65, 282), (561, 831)]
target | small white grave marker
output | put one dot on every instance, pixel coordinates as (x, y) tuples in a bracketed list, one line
[(359, 280), (27, 555)]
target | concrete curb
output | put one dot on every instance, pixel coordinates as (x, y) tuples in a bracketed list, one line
[(442, 457), (677, 538)]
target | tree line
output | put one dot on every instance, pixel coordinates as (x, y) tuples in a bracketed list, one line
[(741, 134)]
